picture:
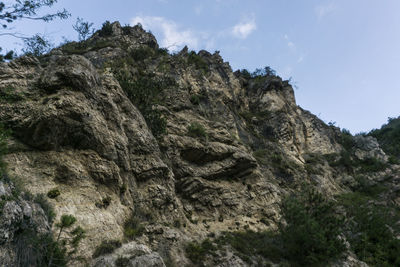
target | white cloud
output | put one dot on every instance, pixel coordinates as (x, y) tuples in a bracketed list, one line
[(173, 37), (244, 28), (323, 10), (291, 45)]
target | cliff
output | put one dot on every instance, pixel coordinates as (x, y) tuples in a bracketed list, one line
[(178, 145)]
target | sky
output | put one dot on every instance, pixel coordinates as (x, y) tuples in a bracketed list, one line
[(342, 56)]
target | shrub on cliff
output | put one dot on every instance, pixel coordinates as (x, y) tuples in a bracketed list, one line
[(371, 225), (196, 130), (3, 147), (145, 92), (388, 137), (311, 233), (106, 29)]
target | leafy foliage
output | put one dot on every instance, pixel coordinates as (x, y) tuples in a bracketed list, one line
[(388, 137), (104, 203), (257, 73), (142, 53), (145, 92), (28, 10), (133, 228), (198, 62), (35, 249), (73, 239), (53, 193), (7, 56), (250, 244), (311, 233), (195, 99), (195, 129), (346, 140), (10, 13), (371, 226), (197, 252), (37, 45), (9, 94), (84, 47), (106, 29), (354, 165), (83, 28), (66, 221)]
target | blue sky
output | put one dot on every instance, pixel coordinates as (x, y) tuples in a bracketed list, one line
[(343, 55)]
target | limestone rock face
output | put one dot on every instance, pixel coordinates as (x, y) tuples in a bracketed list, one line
[(132, 255), (368, 147), (233, 145), (18, 216)]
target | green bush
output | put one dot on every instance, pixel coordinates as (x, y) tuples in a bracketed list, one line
[(346, 140), (198, 62), (249, 244), (106, 247), (34, 249), (86, 46), (37, 45), (388, 137), (195, 129), (104, 203), (311, 233), (197, 252), (195, 99), (371, 165), (122, 262), (67, 241), (156, 122), (133, 228), (145, 92), (354, 165), (8, 94), (106, 29), (372, 227), (142, 53), (53, 193)]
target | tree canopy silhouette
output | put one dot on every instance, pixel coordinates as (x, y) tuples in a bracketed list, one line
[(19, 10)]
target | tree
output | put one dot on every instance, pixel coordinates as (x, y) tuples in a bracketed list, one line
[(75, 236), (311, 233), (83, 28), (36, 45), (10, 13)]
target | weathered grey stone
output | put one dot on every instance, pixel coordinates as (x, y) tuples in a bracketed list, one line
[(135, 255)]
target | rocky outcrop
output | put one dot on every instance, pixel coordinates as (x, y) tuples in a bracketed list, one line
[(131, 255), (19, 218)]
